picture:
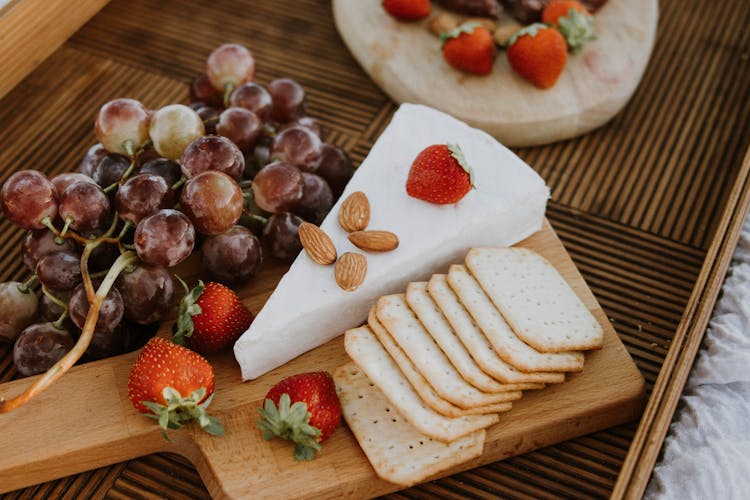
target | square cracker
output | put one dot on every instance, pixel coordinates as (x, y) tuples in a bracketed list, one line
[(438, 327), (507, 344), (476, 342), (365, 350), (535, 299), (394, 314), (396, 450), (419, 383)]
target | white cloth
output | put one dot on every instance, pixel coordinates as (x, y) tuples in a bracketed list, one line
[(707, 451)]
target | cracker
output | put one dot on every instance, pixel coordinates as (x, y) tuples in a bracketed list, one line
[(396, 450), (419, 383), (476, 342), (365, 350), (535, 299), (508, 346), (394, 314), (440, 330)]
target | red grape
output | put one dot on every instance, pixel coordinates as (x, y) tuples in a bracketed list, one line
[(91, 159), (62, 181), (39, 347), (165, 238), (278, 187), (210, 117), (110, 314), (298, 146), (201, 89), (85, 206), (110, 170), (169, 169), (317, 199), (213, 201), (289, 101), (213, 152), (143, 195), (59, 271), (18, 308), (121, 122), (173, 127), (148, 293), (146, 155), (233, 256), (253, 97), (106, 344), (309, 123), (281, 236), (39, 243), (240, 126), (336, 168), (27, 198), (230, 65)]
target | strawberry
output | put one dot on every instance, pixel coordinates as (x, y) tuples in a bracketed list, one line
[(303, 408), (573, 21), (470, 47), (211, 317), (407, 10), (173, 385), (440, 174), (538, 53)]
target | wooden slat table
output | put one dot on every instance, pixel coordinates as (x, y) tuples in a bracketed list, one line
[(649, 207)]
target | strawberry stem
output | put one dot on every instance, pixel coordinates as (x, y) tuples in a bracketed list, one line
[(187, 308), (181, 410), (291, 422)]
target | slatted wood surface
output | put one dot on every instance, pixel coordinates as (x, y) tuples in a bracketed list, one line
[(648, 206)]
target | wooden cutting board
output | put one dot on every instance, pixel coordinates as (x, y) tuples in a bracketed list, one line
[(405, 60), (86, 420)]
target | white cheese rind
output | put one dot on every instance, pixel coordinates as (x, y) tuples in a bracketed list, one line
[(308, 308)]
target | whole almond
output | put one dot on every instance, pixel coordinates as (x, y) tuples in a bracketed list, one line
[(374, 241), (443, 23), (350, 270), (354, 214), (502, 34), (317, 244)]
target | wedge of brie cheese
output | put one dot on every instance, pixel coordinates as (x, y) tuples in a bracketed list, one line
[(308, 308)]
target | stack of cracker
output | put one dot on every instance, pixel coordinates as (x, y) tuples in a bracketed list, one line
[(434, 367)]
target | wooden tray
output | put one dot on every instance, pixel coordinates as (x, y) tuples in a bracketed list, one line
[(405, 60), (649, 206), (95, 424), (33, 29)]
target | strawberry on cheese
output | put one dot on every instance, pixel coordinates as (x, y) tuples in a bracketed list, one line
[(308, 308)]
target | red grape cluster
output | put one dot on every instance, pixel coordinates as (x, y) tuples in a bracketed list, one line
[(236, 172)]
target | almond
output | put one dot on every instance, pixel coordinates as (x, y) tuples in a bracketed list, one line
[(350, 270), (317, 244), (502, 34), (443, 23), (354, 214), (374, 241)]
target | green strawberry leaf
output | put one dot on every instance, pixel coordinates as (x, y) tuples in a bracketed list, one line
[(577, 28), (458, 154), (188, 307), (530, 30), (291, 422), (467, 28), (181, 410)]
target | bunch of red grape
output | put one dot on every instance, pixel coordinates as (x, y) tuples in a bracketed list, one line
[(235, 171)]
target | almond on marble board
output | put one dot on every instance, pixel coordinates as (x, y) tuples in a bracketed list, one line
[(317, 244), (374, 241), (354, 214), (443, 23), (350, 271), (503, 33)]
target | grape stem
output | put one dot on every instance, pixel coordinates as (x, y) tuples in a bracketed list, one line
[(62, 366), (51, 296), (228, 89), (26, 285)]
